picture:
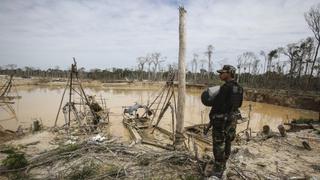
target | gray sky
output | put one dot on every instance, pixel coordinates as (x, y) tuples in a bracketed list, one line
[(113, 33)]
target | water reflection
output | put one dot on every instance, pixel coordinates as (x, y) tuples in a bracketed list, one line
[(43, 103)]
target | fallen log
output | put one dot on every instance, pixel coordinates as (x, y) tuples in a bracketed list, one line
[(157, 145), (297, 127), (134, 133), (309, 138)]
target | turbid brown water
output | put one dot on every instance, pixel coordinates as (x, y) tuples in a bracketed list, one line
[(43, 102)]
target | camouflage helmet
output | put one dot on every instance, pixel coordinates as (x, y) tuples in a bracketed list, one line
[(228, 69)]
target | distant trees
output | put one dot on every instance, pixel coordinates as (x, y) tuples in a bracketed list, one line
[(313, 20), (154, 62), (299, 56)]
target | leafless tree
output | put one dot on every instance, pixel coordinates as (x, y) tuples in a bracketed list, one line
[(11, 66), (317, 67), (304, 54), (292, 52), (271, 55), (141, 62), (255, 64), (203, 71), (157, 60), (262, 53), (246, 60), (194, 65), (313, 19), (149, 61), (209, 54), (202, 63)]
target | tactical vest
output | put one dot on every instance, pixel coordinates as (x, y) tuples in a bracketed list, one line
[(236, 96)]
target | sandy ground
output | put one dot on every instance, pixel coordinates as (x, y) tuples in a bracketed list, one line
[(278, 157), (273, 158), (86, 83)]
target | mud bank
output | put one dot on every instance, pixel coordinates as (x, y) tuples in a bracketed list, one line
[(286, 98), (301, 100)]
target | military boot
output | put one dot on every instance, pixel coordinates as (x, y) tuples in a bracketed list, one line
[(218, 169)]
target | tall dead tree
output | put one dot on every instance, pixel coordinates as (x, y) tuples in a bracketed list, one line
[(271, 55), (179, 138), (156, 60), (239, 65), (194, 64), (149, 62), (313, 19), (209, 53), (141, 62), (262, 53), (292, 52)]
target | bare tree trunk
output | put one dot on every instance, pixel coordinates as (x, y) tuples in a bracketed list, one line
[(314, 61), (300, 69), (179, 139), (306, 69), (195, 72)]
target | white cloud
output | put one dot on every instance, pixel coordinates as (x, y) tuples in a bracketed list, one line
[(108, 33)]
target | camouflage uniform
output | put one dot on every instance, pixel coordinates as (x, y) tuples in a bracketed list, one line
[(223, 133), (227, 101)]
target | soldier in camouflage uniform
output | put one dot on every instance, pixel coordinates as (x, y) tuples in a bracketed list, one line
[(222, 119)]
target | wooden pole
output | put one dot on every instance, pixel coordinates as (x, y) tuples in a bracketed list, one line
[(70, 95), (179, 138)]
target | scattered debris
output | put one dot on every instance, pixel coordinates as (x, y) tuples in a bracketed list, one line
[(141, 127), (98, 138), (306, 145)]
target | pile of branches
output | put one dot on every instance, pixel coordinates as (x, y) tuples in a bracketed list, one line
[(109, 160)]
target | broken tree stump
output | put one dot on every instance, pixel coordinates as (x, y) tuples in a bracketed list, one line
[(36, 126), (282, 130)]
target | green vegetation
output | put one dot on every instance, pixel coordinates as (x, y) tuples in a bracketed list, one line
[(14, 160), (304, 121), (8, 150)]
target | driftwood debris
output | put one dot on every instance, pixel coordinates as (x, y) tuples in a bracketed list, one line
[(298, 127), (140, 125), (196, 131), (110, 160)]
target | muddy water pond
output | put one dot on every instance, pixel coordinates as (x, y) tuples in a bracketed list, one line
[(42, 103)]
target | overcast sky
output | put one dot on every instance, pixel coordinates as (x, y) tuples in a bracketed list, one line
[(113, 33)]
